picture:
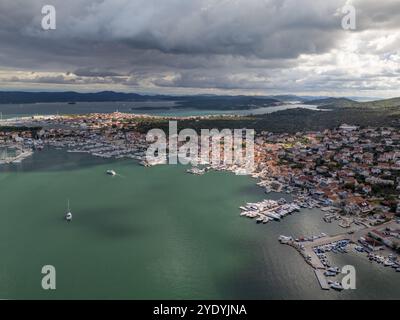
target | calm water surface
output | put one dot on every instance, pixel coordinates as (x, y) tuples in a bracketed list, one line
[(163, 108), (154, 233)]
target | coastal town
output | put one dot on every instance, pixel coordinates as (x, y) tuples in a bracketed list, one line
[(351, 174)]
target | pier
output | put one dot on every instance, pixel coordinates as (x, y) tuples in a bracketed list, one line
[(306, 249), (321, 279), (17, 158)]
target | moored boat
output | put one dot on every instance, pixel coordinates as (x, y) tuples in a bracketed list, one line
[(335, 285)]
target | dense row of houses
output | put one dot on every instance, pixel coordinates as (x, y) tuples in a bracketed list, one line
[(348, 167)]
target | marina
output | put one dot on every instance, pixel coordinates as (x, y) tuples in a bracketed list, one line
[(269, 210), (314, 250)]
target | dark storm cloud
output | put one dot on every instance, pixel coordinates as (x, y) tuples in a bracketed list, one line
[(89, 72), (261, 28), (264, 29), (226, 44)]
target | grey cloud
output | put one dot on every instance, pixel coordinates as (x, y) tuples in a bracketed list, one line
[(61, 79), (89, 72), (372, 14), (261, 28), (266, 29), (226, 44)]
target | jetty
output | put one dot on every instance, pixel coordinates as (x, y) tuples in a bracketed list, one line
[(321, 279), (7, 159)]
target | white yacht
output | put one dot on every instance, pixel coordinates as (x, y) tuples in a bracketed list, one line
[(284, 239), (336, 285), (282, 201), (68, 215), (274, 216), (111, 172), (334, 269), (388, 263), (260, 220)]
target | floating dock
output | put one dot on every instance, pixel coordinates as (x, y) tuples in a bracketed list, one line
[(321, 279)]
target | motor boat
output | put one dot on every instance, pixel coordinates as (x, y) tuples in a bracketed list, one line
[(336, 285)]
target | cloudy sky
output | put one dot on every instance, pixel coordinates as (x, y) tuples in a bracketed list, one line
[(202, 46)]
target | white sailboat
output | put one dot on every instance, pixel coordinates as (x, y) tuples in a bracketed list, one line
[(68, 215)]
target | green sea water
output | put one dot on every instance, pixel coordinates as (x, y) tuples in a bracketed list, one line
[(154, 233)]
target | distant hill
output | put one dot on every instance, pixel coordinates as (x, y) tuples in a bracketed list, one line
[(226, 102), (387, 103), (19, 97), (289, 98), (69, 96), (201, 102), (329, 103), (334, 103)]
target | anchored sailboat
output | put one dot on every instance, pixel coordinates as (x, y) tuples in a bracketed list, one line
[(68, 215)]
